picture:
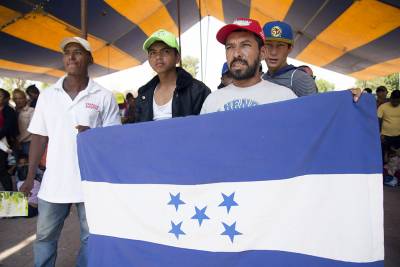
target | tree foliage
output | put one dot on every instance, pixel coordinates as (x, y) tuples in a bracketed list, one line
[(10, 84), (191, 65), (324, 85), (391, 82)]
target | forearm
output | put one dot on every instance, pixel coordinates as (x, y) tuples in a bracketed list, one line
[(36, 150)]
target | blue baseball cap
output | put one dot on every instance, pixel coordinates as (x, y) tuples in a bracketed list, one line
[(225, 69), (278, 31)]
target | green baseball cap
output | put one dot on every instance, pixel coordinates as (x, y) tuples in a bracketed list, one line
[(161, 36)]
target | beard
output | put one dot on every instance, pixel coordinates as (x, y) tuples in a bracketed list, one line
[(247, 73)]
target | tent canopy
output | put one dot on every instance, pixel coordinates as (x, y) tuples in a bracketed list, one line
[(360, 38)]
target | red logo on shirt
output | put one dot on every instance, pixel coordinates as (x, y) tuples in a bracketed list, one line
[(92, 106)]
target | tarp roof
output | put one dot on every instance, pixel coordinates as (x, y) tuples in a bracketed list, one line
[(360, 38)]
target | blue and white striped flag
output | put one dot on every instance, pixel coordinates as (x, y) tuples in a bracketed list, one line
[(295, 183)]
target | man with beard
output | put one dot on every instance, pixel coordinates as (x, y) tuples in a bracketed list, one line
[(244, 46)]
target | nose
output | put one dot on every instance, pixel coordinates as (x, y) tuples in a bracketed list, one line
[(237, 52), (272, 50), (69, 56)]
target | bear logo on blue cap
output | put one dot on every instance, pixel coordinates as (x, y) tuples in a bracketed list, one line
[(276, 31)]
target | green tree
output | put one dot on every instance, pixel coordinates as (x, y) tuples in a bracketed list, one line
[(10, 84), (391, 82), (44, 85), (324, 85), (191, 65)]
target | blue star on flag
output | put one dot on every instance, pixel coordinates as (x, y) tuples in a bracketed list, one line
[(200, 215), (228, 201), (230, 231), (176, 229), (176, 200)]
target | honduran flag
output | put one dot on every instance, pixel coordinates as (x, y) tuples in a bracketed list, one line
[(295, 183)]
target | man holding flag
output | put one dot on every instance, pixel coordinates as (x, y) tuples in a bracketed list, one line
[(244, 46), (220, 190)]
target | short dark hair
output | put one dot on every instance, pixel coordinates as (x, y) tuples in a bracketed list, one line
[(259, 41), (129, 95), (368, 90), (32, 89), (5, 93), (381, 89), (395, 94)]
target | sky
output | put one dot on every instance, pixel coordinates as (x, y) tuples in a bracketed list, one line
[(213, 57)]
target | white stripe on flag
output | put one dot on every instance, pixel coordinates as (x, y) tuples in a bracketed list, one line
[(330, 216)]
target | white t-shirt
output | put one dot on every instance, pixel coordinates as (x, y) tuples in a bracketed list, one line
[(162, 112), (56, 116), (233, 97)]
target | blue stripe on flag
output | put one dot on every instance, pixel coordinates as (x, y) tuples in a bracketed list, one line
[(139, 253), (321, 134)]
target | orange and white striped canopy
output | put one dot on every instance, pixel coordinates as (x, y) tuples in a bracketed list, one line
[(358, 38)]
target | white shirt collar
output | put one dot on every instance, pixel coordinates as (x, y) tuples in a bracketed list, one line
[(90, 88)]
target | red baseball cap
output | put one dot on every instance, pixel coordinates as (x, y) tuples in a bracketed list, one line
[(250, 25)]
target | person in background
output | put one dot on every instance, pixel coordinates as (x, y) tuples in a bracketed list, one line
[(129, 113), (8, 134), (381, 95), (308, 70), (173, 92), (120, 99), (33, 93), (24, 113), (226, 77), (368, 90), (389, 122)]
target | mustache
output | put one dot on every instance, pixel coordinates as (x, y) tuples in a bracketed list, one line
[(240, 61)]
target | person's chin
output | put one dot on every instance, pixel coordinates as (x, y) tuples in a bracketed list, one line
[(72, 71)]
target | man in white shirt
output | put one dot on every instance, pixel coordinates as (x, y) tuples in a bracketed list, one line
[(244, 46), (74, 104)]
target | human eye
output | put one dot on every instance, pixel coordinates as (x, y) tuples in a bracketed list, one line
[(166, 52)]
